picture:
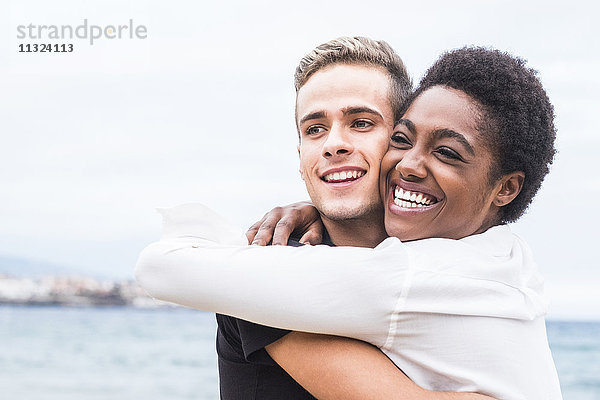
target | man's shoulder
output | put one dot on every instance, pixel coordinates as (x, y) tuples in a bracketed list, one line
[(294, 241)]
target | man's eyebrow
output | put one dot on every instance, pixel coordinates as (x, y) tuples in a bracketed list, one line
[(359, 110), (449, 133), (407, 123), (313, 115)]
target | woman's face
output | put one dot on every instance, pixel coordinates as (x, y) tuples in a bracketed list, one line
[(435, 175)]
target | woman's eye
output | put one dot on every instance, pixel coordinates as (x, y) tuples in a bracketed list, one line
[(399, 139), (313, 130), (361, 124), (448, 153)]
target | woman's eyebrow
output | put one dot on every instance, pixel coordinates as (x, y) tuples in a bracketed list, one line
[(408, 124), (449, 133)]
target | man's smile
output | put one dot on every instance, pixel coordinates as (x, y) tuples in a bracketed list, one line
[(343, 175)]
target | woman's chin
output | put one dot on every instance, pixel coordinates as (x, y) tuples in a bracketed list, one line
[(402, 231)]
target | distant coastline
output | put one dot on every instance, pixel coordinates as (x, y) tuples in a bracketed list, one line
[(73, 291)]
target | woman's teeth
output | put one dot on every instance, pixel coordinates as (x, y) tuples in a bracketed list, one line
[(408, 199)]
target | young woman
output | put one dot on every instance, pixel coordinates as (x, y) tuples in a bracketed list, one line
[(453, 298)]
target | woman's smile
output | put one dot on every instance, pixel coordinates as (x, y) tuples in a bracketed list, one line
[(408, 198)]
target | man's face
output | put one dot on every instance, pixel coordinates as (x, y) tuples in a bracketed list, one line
[(345, 120)]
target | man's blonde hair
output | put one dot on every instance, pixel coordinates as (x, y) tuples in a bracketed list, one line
[(362, 51)]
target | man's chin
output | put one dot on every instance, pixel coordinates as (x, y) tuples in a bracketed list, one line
[(341, 211)]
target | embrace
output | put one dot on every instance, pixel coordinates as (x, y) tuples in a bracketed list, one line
[(414, 287)]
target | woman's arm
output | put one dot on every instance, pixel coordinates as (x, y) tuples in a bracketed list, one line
[(333, 367), (343, 291)]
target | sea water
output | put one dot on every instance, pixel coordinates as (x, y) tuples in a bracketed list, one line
[(51, 353)]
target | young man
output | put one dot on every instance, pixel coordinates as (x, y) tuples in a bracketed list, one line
[(349, 92)]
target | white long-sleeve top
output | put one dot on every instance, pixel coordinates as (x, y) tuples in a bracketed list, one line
[(455, 315)]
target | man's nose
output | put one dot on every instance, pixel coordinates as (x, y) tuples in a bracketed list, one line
[(412, 165), (338, 142)]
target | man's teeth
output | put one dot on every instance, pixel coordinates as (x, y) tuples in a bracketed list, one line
[(408, 199), (341, 176)]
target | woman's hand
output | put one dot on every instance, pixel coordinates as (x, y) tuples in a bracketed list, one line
[(279, 224)]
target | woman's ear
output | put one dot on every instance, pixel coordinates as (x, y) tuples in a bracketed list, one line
[(508, 188)]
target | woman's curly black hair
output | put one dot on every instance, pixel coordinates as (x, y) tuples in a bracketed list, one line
[(516, 114)]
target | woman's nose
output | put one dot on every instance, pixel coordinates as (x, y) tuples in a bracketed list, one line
[(412, 165)]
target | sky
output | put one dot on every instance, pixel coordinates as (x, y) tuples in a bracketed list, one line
[(202, 110)]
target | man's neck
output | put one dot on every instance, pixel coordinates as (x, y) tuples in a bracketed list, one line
[(367, 231)]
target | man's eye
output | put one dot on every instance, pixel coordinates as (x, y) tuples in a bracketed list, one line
[(448, 153), (314, 130), (361, 124)]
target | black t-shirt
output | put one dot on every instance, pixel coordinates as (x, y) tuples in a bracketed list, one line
[(246, 371)]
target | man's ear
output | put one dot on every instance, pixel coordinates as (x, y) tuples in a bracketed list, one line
[(508, 188), (300, 159)]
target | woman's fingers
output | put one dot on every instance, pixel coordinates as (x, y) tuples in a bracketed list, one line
[(314, 234), (253, 230), (266, 227), (289, 222), (279, 224)]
